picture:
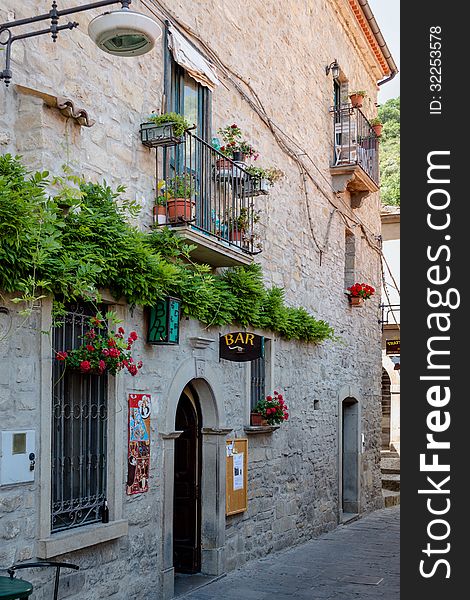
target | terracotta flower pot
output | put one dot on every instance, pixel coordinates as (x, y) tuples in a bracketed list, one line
[(236, 236), (356, 100), (180, 209), (257, 420), (223, 163), (356, 300), (377, 129)]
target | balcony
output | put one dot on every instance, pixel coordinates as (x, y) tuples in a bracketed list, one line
[(208, 200), (355, 163)]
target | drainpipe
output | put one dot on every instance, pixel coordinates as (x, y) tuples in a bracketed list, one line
[(380, 41)]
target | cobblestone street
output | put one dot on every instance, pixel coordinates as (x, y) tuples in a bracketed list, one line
[(359, 560)]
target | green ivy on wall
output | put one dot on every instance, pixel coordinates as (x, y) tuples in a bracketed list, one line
[(77, 238)]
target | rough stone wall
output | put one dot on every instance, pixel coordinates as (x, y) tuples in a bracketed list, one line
[(293, 474)]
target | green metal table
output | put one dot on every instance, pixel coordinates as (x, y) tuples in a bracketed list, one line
[(11, 588)]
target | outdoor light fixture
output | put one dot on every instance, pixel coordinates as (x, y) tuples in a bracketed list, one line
[(121, 32), (334, 68)]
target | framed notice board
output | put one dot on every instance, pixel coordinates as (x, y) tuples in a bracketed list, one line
[(236, 479)]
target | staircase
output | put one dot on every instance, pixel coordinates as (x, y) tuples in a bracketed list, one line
[(390, 468)]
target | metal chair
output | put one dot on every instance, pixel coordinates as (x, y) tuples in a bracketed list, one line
[(44, 563)]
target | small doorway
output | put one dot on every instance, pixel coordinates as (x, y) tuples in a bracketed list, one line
[(187, 501), (350, 456), (386, 409)]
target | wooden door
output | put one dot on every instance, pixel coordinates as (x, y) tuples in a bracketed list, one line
[(186, 523)]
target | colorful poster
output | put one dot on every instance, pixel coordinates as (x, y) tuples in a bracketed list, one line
[(138, 456), (238, 471)]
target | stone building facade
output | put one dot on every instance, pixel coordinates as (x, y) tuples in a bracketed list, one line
[(320, 233)]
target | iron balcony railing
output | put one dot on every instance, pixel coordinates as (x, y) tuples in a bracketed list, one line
[(199, 187), (390, 314), (355, 141)]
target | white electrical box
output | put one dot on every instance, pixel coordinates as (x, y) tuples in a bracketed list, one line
[(17, 456)]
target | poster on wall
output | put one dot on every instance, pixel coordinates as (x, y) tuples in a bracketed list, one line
[(138, 454), (238, 471)]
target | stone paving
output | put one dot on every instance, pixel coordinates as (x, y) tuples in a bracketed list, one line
[(359, 560)]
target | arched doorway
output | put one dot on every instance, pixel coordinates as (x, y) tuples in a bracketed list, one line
[(350, 456), (187, 484), (386, 409)]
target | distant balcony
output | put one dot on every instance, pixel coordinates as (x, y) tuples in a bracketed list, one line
[(355, 161), (390, 316), (208, 200)]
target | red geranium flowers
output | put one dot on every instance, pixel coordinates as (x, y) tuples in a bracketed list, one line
[(273, 409), (361, 290), (103, 350)]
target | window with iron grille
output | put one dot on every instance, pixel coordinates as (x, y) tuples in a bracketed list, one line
[(79, 431), (258, 380)]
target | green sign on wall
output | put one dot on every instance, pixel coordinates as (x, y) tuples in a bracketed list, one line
[(164, 322)]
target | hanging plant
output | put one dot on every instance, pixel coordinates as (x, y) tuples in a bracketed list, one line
[(103, 350)]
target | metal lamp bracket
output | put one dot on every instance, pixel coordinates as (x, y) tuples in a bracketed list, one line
[(7, 38)]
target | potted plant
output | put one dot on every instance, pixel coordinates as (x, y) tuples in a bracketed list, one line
[(239, 227), (178, 196), (163, 130), (357, 98), (377, 126), (359, 292), (103, 350), (260, 181), (159, 209), (235, 146), (272, 409)]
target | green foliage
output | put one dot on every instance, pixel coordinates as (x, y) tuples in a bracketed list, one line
[(389, 114), (78, 241), (180, 123), (271, 173)]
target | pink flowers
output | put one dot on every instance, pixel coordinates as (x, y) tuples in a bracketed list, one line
[(61, 355), (85, 366)]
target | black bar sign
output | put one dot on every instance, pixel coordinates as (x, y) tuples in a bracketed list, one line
[(241, 346)]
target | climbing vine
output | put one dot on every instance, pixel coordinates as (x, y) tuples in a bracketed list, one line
[(66, 237)]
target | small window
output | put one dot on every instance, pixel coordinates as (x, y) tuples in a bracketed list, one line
[(79, 432), (261, 374), (349, 259), (258, 380)]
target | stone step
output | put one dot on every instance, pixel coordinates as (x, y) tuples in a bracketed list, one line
[(391, 482), (389, 454), (390, 471), (390, 465), (390, 498)]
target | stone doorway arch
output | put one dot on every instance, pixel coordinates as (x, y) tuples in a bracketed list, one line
[(386, 409), (204, 382), (349, 453)]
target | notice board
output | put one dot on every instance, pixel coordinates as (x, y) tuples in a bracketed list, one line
[(236, 479)]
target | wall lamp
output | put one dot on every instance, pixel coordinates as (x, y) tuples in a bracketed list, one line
[(334, 68), (120, 32)]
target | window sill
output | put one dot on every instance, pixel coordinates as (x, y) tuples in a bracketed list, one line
[(253, 429), (81, 537)]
